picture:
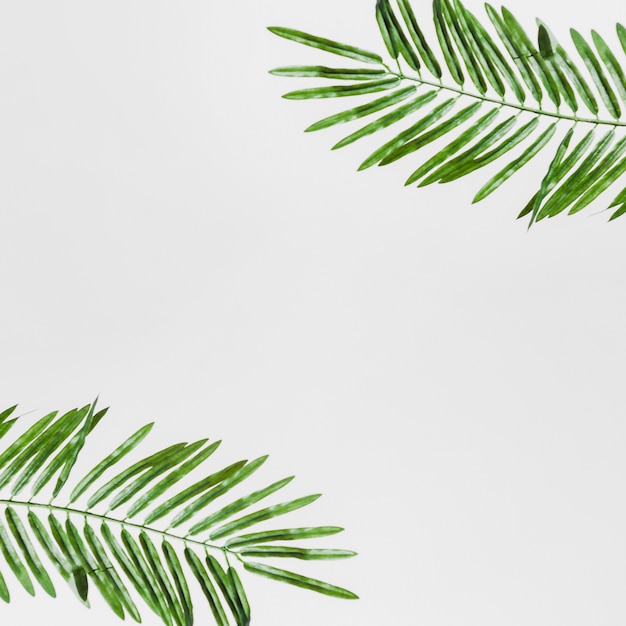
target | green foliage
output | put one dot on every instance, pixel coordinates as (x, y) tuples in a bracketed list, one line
[(538, 84), (127, 556)]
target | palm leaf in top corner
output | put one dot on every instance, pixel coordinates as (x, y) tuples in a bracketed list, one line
[(484, 93)]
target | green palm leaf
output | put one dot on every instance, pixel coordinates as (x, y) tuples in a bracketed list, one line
[(104, 545), (466, 73)]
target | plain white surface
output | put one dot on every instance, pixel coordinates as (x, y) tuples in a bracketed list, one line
[(172, 241)]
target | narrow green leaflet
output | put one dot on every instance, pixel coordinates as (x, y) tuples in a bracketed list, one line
[(226, 586), (70, 453), (5, 427), (445, 41), (23, 440), (260, 516), (168, 461), (611, 63), (146, 463), (299, 581), (364, 110), (4, 590), (419, 40), (495, 60), (453, 147), (47, 543), (119, 453), (133, 571), (194, 490), (405, 136), (478, 160), (171, 479), (284, 534), (108, 571), (432, 135), (535, 60), (163, 580), (182, 590), (321, 71), (389, 119), (618, 213), (599, 186), (597, 74), (4, 415), (481, 47), (28, 551), (13, 561), (242, 598), (207, 587), (39, 451), (224, 487), (456, 28), (516, 52), (239, 505), (467, 159), (305, 554), (515, 165), (400, 40), (339, 91), (358, 54), (575, 183), (89, 566)]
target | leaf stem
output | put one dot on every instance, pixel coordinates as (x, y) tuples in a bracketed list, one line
[(106, 518), (519, 107)]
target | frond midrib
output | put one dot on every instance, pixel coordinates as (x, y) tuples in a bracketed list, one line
[(66, 510), (503, 103)]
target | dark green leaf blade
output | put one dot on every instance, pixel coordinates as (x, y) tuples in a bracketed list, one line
[(109, 572), (120, 452), (321, 71), (28, 551), (387, 120), (351, 52), (207, 587), (397, 142), (288, 552), (366, 109), (463, 139), (122, 477), (598, 76), (262, 515), (194, 490), (515, 165), (239, 505), (433, 134), (14, 562), (23, 441), (416, 34), (180, 582), (611, 63), (284, 534), (298, 580), (340, 91), (222, 488), (449, 55), (163, 580), (171, 479)]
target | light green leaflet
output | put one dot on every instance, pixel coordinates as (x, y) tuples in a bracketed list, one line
[(448, 74), (160, 562)]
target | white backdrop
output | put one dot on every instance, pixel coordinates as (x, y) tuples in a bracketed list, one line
[(173, 241)]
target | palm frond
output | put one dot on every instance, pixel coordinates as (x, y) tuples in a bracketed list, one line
[(455, 90), (168, 537)]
